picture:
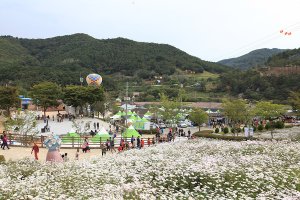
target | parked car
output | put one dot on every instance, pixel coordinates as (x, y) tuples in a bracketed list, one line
[(182, 125), (162, 125), (153, 125)]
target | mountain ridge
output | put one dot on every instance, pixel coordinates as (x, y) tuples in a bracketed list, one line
[(69, 56), (254, 58)]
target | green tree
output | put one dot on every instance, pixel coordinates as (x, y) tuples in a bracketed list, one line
[(24, 123), (102, 106), (170, 109), (8, 98), (294, 101), (268, 110), (80, 96), (198, 116), (46, 94), (237, 111)]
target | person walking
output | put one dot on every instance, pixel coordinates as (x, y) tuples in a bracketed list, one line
[(142, 143), (132, 140), (36, 150), (149, 142), (112, 145), (4, 142), (107, 145), (103, 149), (138, 142), (77, 154)]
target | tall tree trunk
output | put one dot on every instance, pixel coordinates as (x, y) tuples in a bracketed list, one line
[(44, 108)]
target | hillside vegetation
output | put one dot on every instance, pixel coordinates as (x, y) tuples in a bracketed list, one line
[(286, 58), (253, 59), (62, 59)]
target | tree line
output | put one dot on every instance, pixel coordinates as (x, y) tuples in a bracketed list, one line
[(49, 94), (252, 85)]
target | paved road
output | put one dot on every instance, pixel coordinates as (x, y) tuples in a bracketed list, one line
[(64, 127)]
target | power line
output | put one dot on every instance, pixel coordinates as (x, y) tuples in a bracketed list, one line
[(274, 35)]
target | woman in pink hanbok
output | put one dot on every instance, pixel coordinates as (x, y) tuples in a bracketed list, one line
[(53, 143)]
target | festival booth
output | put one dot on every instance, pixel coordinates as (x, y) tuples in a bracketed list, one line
[(142, 124), (101, 136), (72, 136), (130, 131)]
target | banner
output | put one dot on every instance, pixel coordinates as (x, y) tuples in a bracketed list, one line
[(141, 125)]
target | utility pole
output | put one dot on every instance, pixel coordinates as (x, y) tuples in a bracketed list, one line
[(126, 100), (81, 79)]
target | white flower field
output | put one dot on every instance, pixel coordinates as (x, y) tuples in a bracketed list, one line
[(194, 169)]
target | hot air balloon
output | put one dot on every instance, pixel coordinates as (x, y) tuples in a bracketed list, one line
[(94, 79)]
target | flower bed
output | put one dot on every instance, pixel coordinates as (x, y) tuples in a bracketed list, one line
[(200, 168)]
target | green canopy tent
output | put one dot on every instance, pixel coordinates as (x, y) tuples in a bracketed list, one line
[(148, 113), (123, 113), (70, 137), (138, 118), (132, 118), (102, 136), (144, 120), (129, 112), (119, 113), (130, 131)]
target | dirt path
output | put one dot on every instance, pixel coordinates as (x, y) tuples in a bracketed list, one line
[(17, 153)]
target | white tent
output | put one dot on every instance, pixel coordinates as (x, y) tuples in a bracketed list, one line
[(129, 107), (102, 131)]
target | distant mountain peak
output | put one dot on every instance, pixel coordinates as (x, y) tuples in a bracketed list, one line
[(254, 58)]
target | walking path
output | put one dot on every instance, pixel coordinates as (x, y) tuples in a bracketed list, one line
[(60, 128), (17, 153)]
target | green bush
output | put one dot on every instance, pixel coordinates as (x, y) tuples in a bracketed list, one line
[(217, 130), (2, 159), (222, 137), (148, 132), (232, 130), (226, 130), (278, 124), (239, 130), (206, 132), (268, 126), (260, 127), (288, 126)]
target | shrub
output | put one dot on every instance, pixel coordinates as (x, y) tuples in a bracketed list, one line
[(279, 124), (239, 130), (288, 126), (232, 130), (222, 137), (260, 127), (206, 132), (268, 126), (254, 128), (217, 130), (2, 159), (226, 130), (148, 132)]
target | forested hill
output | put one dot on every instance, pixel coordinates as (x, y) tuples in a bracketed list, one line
[(286, 58), (62, 59), (253, 59)]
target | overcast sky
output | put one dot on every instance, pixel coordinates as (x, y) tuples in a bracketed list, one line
[(209, 29)]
